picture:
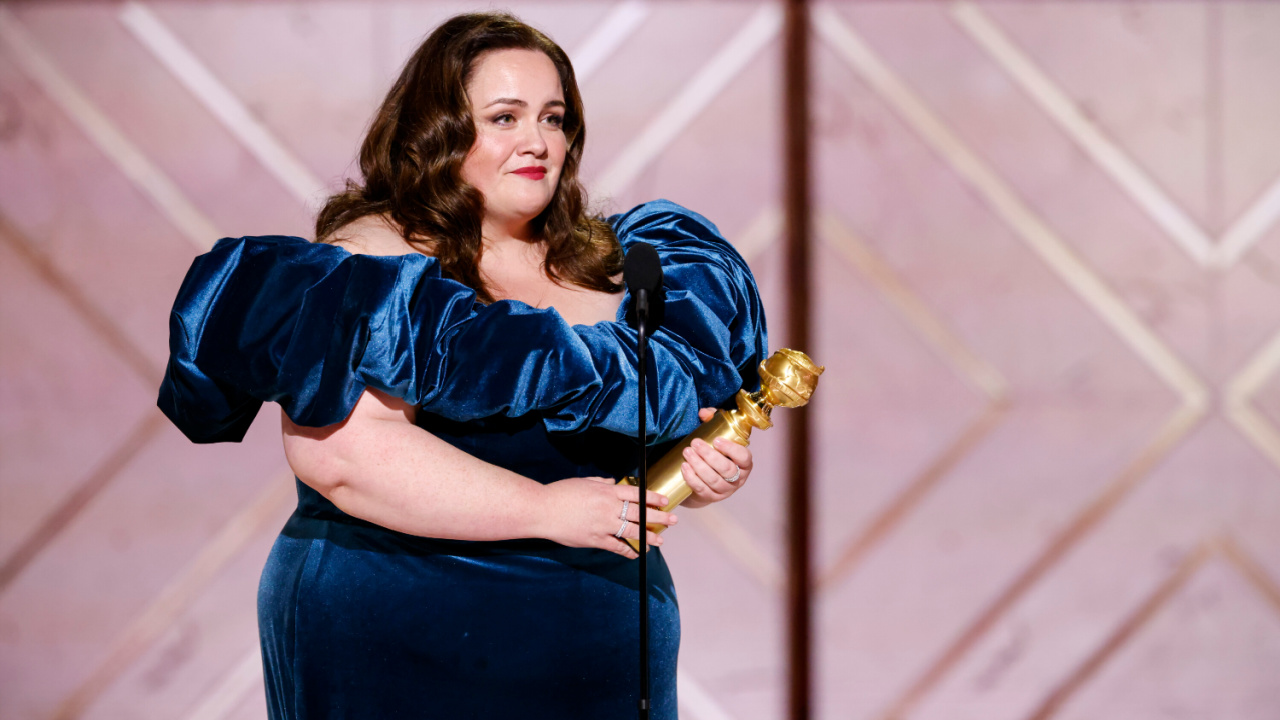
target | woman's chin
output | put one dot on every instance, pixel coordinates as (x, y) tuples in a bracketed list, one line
[(518, 214)]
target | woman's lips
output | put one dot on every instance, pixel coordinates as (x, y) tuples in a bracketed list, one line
[(533, 173)]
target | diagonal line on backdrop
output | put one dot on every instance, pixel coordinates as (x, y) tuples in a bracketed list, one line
[(761, 233), (692, 99), (1078, 276), (183, 590), (1252, 570), (695, 701), (1087, 135), (101, 476), (1224, 547), (913, 494), (740, 544), (621, 22), (102, 324), (88, 489), (149, 179), (1010, 208), (1239, 392), (244, 677), (196, 77), (977, 372), (1171, 433), (980, 374), (1241, 235), (1250, 226), (1126, 630)]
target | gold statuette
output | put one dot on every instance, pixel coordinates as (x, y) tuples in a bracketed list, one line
[(787, 379)]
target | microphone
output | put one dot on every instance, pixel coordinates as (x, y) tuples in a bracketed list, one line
[(642, 273)]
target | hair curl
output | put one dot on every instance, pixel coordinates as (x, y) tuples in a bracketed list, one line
[(411, 162)]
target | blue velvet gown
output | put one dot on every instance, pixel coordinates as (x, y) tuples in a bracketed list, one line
[(358, 621)]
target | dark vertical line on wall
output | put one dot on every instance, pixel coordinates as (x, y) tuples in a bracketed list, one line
[(797, 201)]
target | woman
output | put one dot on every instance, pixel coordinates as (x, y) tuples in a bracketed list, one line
[(459, 424)]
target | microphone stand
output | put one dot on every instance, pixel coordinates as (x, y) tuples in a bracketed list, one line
[(642, 272), (642, 478)]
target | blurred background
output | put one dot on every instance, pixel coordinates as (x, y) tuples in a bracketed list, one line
[(1046, 287)]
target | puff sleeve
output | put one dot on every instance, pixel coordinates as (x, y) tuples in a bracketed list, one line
[(708, 345), (310, 326)]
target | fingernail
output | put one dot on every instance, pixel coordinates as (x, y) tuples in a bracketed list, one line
[(674, 519)]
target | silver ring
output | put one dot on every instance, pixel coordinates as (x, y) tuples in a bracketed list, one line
[(735, 477), (621, 530), (625, 504)]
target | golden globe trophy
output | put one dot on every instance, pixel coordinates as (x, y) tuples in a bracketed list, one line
[(787, 379)]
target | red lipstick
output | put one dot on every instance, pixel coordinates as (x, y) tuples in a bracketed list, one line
[(533, 172)]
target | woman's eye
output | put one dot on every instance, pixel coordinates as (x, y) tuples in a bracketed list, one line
[(505, 119), (555, 120)]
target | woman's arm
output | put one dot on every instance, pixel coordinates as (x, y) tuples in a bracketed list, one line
[(378, 466)]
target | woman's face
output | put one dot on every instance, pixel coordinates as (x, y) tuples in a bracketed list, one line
[(518, 106)]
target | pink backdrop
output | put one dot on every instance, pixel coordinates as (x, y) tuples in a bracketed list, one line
[(1047, 277)]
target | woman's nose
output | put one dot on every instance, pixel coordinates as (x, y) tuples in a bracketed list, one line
[(533, 141)]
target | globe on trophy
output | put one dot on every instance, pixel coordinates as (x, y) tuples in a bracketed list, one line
[(787, 379)]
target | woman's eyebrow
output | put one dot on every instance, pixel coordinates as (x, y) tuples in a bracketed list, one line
[(520, 103)]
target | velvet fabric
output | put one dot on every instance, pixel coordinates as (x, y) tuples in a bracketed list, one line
[(358, 621), (310, 325)]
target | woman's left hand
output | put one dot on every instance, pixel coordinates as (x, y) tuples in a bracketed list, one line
[(708, 469)]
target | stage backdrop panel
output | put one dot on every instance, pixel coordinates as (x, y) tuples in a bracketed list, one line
[(1045, 282), (1047, 299)]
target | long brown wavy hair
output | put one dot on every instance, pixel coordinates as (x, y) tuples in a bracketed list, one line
[(411, 163)]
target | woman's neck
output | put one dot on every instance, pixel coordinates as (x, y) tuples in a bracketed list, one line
[(502, 231)]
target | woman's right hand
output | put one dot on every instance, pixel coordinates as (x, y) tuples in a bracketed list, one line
[(587, 512)]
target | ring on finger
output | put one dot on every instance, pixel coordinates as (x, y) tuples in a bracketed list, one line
[(737, 474), (621, 530), (625, 504)]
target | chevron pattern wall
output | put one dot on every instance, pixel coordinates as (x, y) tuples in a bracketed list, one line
[(1047, 282)]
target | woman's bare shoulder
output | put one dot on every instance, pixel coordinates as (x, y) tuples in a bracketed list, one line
[(371, 235)]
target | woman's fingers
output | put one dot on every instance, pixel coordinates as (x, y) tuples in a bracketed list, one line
[(739, 455), (655, 500), (632, 493), (654, 517), (633, 533), (622, 547), (706, 414), (710, 490), (705, 470), (718, 461)]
